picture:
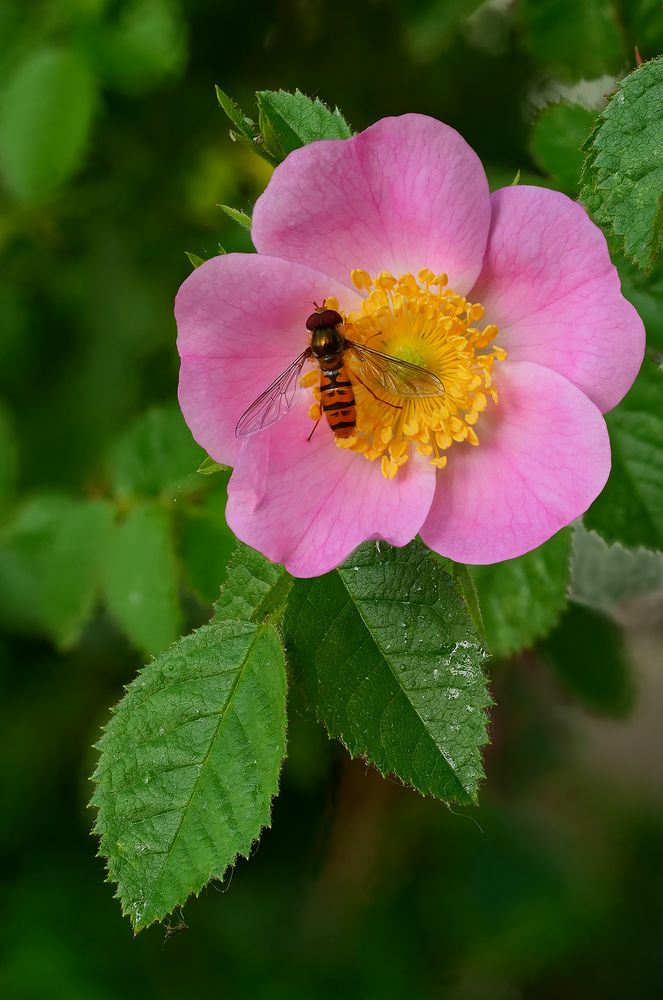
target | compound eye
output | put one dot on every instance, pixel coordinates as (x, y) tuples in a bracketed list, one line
[(329, 317), (314, 322)]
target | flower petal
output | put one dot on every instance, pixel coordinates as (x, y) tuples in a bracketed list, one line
[(549, 285), (309, 505), (405, 194), (241, 320), (544, 457)]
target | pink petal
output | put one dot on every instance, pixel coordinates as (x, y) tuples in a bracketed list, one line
[(405, 194), (544, 457), (549, 285), (241, 320), (309, 505)]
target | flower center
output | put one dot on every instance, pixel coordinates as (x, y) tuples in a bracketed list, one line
[(421, 321)]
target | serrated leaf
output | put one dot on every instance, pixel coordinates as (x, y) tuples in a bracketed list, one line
[(189, 765), (389, 659), (156, 457), (140, 578), (575, 39), (241, 218), (622, 180), (51, 557), (521, 599), (586, 651), (557, 137), (630, 508), (288, 121), (255, 588), (609, 577), (45, 117)]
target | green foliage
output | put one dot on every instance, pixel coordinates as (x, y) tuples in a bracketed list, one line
[(646, 294), (521, 599), (190, 760), (629, 510), (8, 458), (155, 457), (433, 25), (587, 653), (288, 121), (255, 588), (556, 140), (205, 542), (45, 118), (140, 578), (52, 552), (144, 44), (241, 218), (574, 39), (622, 180), (389, 659)]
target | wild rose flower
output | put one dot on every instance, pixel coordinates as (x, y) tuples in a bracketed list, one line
[(510, 299)]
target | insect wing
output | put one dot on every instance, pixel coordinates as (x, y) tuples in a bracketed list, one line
[(393, 375), (274, 402)]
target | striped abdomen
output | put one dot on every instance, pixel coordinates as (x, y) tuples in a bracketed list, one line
[(337, 400)]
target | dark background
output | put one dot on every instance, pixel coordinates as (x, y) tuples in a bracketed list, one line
[(361, 889)]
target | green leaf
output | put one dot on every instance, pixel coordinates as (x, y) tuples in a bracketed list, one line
[(140, 579), (255, 588), (574, 39), (610, 577), (51, 557), (556, 140), (189, 765), (521, 599), (45, 117), (244, 124), (587, 653), (622, 180), (288, 121), (194, 259), (156, 457), (208, 467), (388, 657), (433, 26), (630, 508), (241, 218)]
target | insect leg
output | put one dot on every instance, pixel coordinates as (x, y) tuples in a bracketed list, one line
[(395, 405), (308, 439)]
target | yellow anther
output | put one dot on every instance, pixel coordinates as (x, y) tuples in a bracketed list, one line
[(314, 411), (426, 276), (385, 281), (361, 279)]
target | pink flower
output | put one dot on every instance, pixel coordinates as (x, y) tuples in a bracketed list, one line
[(510, 298)]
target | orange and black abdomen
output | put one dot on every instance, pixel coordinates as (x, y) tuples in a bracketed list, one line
[(337, 400)]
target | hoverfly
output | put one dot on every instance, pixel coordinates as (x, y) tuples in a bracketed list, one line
[(340, 361)]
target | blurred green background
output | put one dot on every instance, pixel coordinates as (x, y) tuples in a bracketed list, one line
[(113, 159)]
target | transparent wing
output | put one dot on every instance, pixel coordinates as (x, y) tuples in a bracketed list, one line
[(393, 375), (275, 401)]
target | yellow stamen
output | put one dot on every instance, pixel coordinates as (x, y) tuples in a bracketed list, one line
[(422, 321)]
